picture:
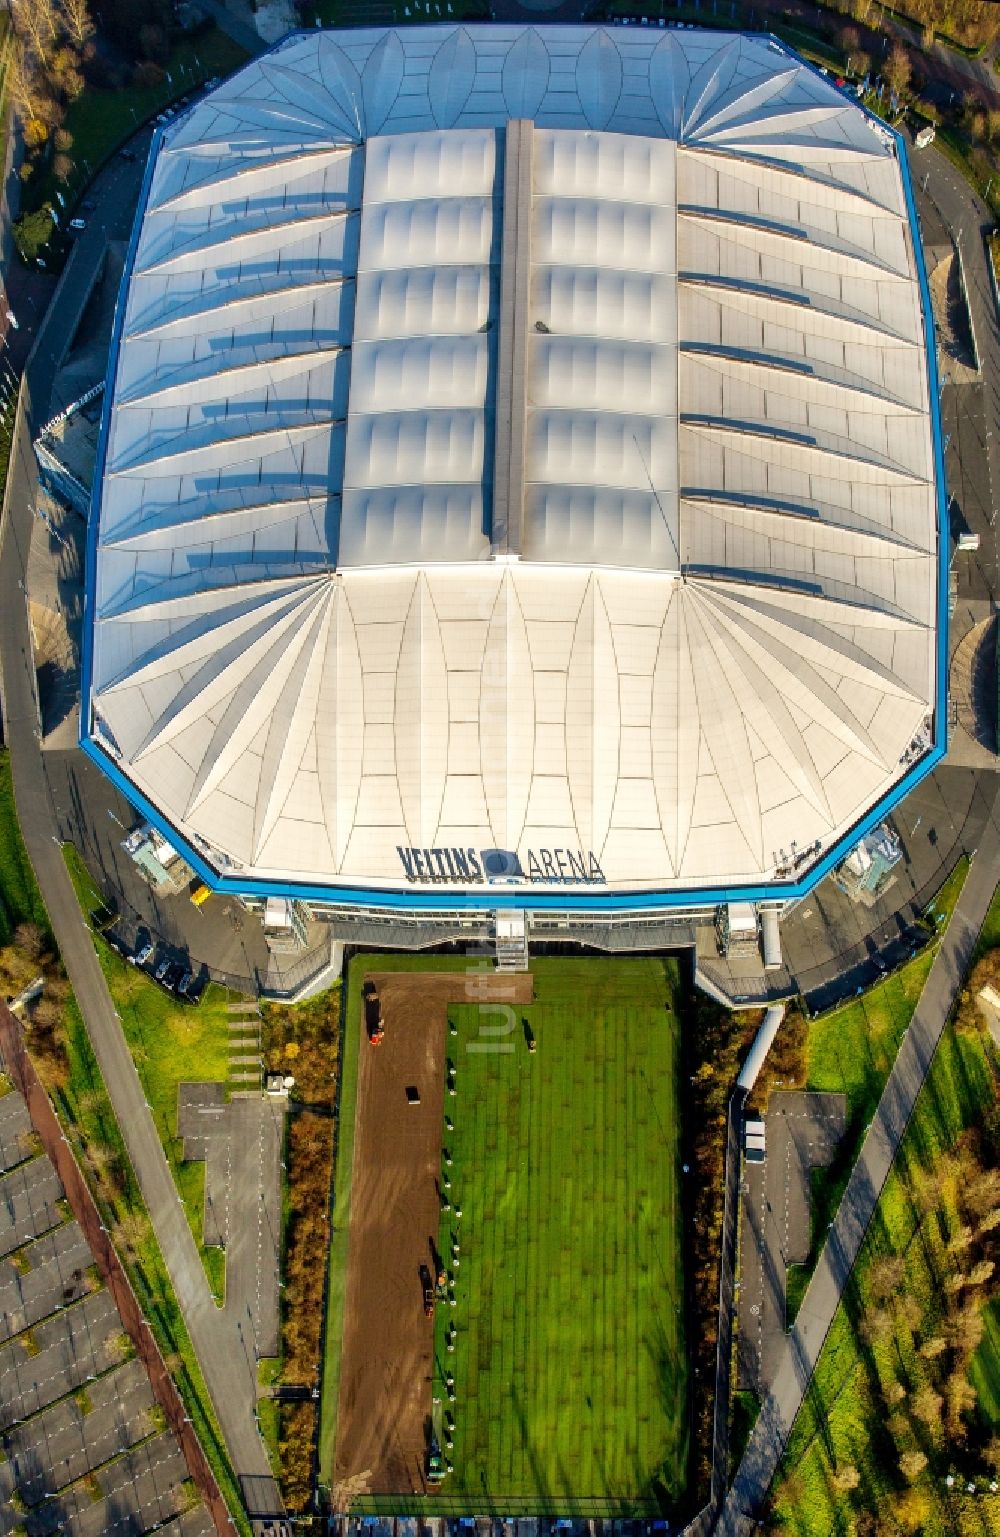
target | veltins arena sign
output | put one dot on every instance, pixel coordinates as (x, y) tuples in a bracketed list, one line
[(471, 867)]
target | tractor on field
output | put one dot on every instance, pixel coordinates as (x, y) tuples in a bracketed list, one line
[(427, 1284), (373, 1015)]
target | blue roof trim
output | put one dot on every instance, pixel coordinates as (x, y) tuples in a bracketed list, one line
[(570, 899)]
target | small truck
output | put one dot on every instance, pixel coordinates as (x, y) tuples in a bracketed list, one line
[(373, 1015), (754, 1150)]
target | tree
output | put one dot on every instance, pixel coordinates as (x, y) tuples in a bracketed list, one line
[(22, 83), (933, 1347), (964, 1329), (64, 73), (153, 43), (897, 68), (912, 1464), (960, 1239), (913, 1508), (876, 1327), (846, 1478), (927, 1406), (982, 1192), (37, 25), (908, 1312), (981, 1272), (858, 63), (77, 21), (960, 1397), (29, 938), (885, 1278)]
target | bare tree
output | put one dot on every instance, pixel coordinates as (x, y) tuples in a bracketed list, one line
[(37, 24), (29, 938), (77, 21), (897, 68), (22, 84)]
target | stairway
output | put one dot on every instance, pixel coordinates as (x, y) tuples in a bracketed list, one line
[(244, 1047), (511, 941)]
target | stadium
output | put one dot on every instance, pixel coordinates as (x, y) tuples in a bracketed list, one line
[(520, 483)]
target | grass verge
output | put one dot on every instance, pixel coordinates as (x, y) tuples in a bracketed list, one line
[(851, 1050), (171, 1043)]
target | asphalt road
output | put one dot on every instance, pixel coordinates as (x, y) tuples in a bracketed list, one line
[(800, 1354), (966, 216), (216, 1339)]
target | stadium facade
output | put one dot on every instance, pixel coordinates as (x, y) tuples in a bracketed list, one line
[(521, 480)]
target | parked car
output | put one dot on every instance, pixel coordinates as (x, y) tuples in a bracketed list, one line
[(142, 955), (162, 969), (185, 983), (78, 224), (173, 976)]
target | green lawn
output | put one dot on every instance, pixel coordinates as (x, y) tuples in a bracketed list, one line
[(851, 1050), (171, 1043), (570, 1362), (101, 120)]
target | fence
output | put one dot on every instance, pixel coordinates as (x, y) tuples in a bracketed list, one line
[(22, 1072)]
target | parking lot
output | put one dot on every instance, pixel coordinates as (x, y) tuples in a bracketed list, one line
[(84, 1448), (802, 1133)]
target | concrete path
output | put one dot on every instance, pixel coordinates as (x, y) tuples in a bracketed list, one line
[(799, 1357)]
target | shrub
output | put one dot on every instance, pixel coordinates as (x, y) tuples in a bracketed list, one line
[(32, 232)]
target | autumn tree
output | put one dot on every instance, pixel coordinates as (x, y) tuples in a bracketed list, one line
[(927, 1406), (846, 1478), (29, 938), (960, 1398), (885, 1278), (912, 1464), (77, 22), (37, 25), (897, 68), (913, 1509)]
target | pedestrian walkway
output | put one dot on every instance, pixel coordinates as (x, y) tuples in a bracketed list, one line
[(802, 1350)]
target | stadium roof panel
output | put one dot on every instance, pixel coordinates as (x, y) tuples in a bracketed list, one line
[(518, 438)]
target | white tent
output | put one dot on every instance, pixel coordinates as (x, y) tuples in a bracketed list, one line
[(519, 437)]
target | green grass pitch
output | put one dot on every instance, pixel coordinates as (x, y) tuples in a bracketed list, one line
[(571, 1391)]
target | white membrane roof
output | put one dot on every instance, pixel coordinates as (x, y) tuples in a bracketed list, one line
[(520, 437)]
